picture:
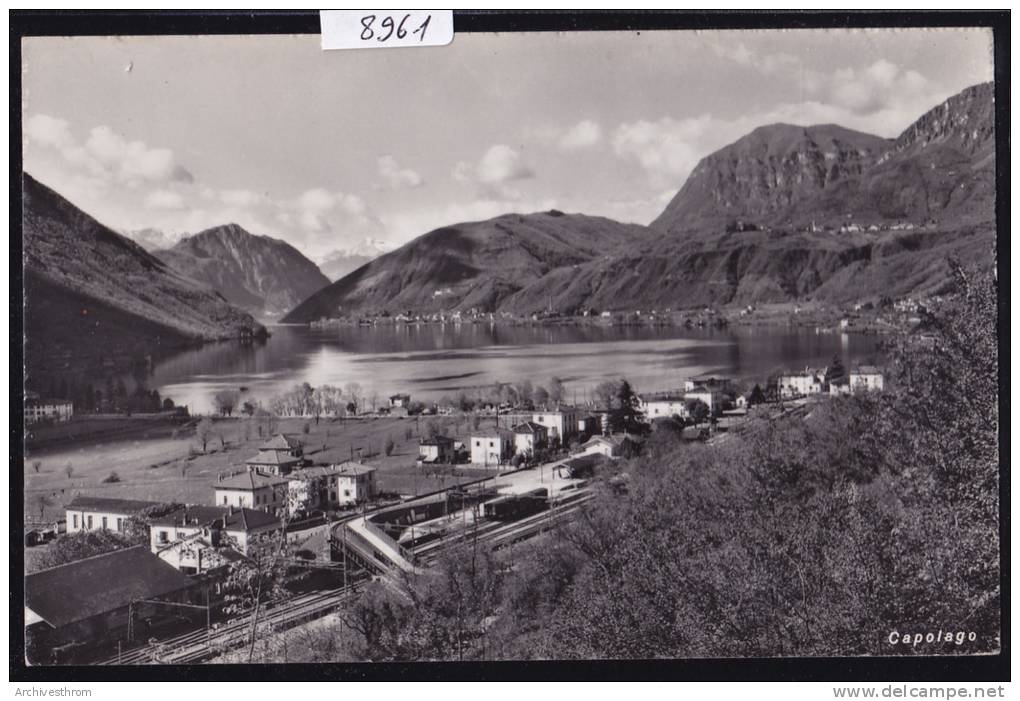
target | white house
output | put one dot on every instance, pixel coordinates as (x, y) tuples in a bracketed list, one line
[(241, 529), (355, 484), (607, 446), (866, 378), (529, 437), (38, 409), (437, 449), (492, 448), (713, 398), (801, 384), (561, 423), (663, 405), (253, 490), (86, 513)]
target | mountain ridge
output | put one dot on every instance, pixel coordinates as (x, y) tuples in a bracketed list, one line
[(94, 298), (261, 274), (783, 213)]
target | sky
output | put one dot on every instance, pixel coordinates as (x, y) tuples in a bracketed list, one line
[(330, 149)]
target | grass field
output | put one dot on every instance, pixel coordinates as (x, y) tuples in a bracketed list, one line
[(169, 466)]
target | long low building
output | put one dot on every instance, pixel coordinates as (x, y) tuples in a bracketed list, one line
[(72, 605), (86, 513)]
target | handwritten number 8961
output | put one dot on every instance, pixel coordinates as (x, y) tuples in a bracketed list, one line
[(389, 27)]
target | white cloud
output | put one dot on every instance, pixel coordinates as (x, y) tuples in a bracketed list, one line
[(668, 149), (106, 154), (320, 210), (584, 134), (48, 131), (241, 198), (164, 199), (880, 99), (396, 176), (132, 160), (499, 166)]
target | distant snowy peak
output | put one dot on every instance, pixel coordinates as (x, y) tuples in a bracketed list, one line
[(338, 263), (154, 239)]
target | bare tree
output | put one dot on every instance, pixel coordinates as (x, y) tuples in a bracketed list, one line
[(226, 400), (353, 392), (204, 432), (36, 465), (69, 470), (41, 502)]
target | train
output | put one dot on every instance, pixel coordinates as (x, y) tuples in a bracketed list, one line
[(517, 506)]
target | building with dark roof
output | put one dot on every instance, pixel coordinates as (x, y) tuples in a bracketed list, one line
[(86, 600), (239, 528), (436, 449), (278, 456), (86, 513)]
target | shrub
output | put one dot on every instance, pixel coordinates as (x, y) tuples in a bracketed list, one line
[(111, 478)]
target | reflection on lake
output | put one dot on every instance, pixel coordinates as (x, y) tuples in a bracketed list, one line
[(432, 361)]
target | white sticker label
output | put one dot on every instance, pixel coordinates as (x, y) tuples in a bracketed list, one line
[(379, 29)]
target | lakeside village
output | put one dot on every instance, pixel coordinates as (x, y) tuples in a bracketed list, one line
[(882, 315), (183, 555)]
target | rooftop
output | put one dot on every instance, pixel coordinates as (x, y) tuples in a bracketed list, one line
[(349, 469), (493, 433), (866, 370), (110, 505), (530, 427), (100, 584), (437, 440), (281, 441), (268, 456), (250, 481), (227, 518)]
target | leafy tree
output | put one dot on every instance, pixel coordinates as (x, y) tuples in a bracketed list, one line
[(697, 410), (389, 446), (623, 417), (836, 373), (540, 396), (757, 396), (69, 470)]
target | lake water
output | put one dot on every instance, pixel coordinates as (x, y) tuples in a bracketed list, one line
[(432, 361)]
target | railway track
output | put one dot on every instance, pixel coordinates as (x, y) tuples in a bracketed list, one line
[(202, 644), (497, 534)]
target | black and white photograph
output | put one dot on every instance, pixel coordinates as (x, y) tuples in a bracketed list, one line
[(535, 346)]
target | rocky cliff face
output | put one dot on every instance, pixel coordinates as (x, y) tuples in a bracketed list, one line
[(759, 177), (263, 275), (940, 170)]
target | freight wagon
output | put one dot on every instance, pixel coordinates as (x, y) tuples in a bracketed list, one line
[(516, 506)]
